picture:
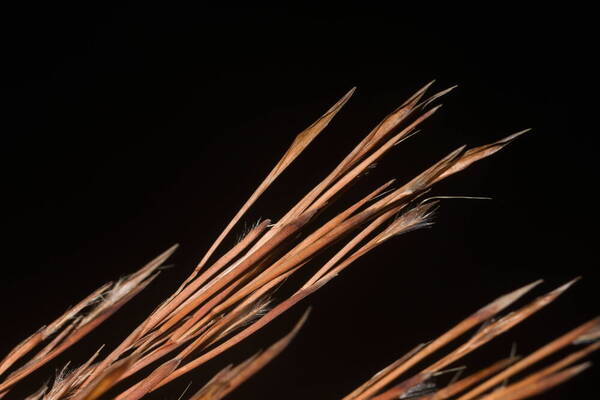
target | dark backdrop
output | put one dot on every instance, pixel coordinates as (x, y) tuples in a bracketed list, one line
[(128, 128)]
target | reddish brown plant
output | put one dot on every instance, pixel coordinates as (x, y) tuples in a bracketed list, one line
[(227, 298)]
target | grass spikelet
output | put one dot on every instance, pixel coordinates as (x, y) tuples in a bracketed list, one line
[(232, 294)]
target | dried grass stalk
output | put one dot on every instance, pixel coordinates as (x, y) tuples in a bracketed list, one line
[(223, 301)]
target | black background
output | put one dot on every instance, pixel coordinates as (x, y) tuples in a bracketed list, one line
[(129, 128)]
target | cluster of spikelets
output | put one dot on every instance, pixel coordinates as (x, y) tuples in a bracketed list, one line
[(223, 301)]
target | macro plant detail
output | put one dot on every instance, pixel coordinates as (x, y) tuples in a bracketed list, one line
[(232, 294)]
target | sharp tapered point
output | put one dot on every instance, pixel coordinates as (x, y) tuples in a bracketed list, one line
[(429, 199), (341, 102), (407, 136), (446, 91), (436, 96), (328, 115), (580, 367), (302, 319), (168, 252), (507, 299), (424, 88), (456, 153), (592, 334), (512, 137), (434, 109), (414, 99), (566, 286), (427, 86), (348, 94)]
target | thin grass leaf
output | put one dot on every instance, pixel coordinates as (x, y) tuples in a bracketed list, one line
[(300, 143)]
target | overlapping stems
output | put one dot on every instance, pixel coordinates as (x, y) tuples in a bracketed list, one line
[(225, 300)]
